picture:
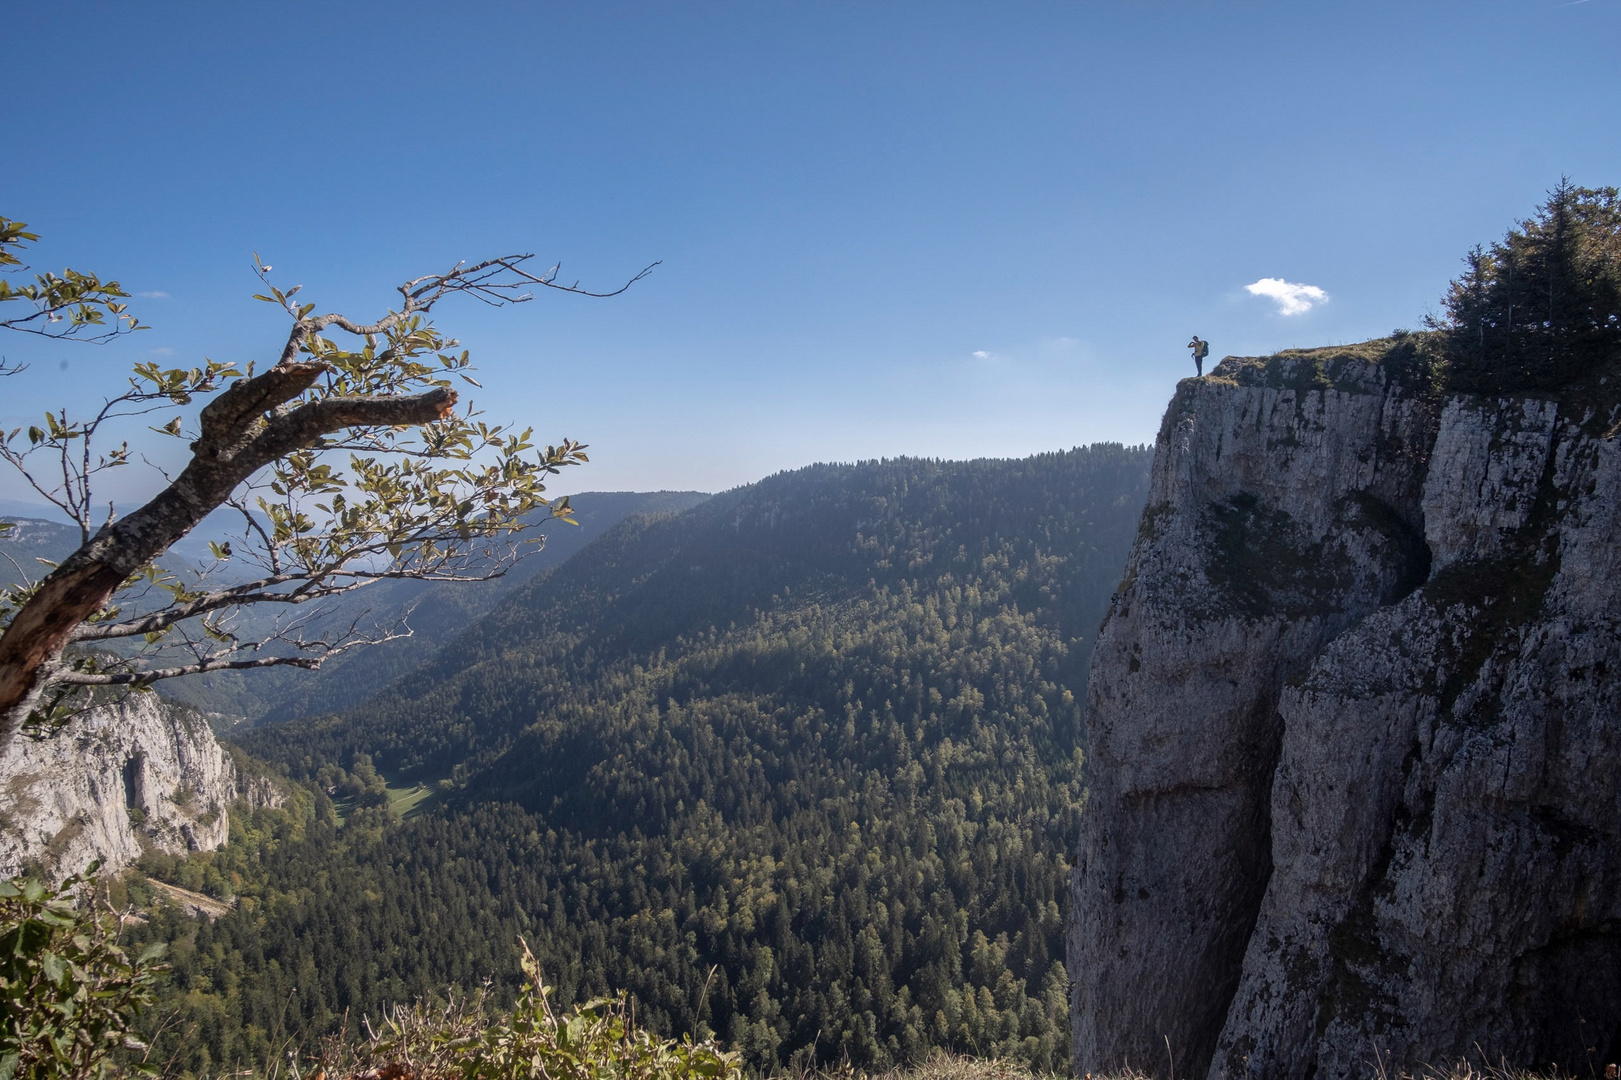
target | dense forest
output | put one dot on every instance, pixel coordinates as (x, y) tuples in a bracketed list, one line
[(434, 611), (799, 765)]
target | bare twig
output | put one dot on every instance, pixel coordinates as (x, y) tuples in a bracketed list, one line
[(411, 503)]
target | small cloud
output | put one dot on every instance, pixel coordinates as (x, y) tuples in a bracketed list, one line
[(161, 350), (1059, 350), (990, 359), (1291, 299), (154, 294)]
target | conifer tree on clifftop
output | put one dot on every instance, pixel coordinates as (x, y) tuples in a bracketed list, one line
[(1541, 307)]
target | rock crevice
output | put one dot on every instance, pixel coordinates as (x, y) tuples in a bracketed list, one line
[(118, 779)]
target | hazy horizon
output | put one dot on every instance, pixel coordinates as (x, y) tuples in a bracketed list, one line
[(926, 230)]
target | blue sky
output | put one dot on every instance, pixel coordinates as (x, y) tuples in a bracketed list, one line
[(934, 229)]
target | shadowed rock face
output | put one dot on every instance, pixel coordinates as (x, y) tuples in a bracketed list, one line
[(117, 779), (1353, 733), (1273, 523)]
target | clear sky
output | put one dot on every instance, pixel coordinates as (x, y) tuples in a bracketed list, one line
[(937, 229)]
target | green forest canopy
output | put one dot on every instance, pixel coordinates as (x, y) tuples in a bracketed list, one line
[(799, 765)]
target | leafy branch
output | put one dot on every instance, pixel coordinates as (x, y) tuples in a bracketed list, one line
[(66, 305), (349, 460)]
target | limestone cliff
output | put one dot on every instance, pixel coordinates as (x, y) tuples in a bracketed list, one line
[(1353, 734), (143, 772)]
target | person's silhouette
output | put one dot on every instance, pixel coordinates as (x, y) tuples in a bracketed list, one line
[(1201, 349)]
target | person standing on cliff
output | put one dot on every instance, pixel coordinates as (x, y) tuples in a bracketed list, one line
[(1201, 349)]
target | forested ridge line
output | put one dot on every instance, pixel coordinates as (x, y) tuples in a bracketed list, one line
[(818, 735)]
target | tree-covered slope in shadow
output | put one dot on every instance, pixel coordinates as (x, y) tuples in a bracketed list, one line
[(435, 613), (1044, 537), (799, 764)]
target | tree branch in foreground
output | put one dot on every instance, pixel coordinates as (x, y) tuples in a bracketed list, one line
[(428, 491)]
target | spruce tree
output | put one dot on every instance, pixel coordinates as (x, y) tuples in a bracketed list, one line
[(1542, 307)]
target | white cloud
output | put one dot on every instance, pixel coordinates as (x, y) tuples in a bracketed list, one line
[(1042, 353), (154, 294), (1060, 350), (1291, 299)]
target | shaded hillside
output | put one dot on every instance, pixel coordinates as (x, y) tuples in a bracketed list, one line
[(437, 612), (28, 541), (1044, 533), (818, 735)]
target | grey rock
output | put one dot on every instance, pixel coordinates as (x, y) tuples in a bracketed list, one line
[(118, 779), (1353, 748)]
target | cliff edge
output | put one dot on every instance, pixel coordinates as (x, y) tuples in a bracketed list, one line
[(1353, 732), (119, 778)]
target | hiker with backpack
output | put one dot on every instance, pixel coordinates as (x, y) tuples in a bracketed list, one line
[(1201, 349)]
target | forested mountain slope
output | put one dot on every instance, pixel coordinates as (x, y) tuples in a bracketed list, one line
[(796, 550), (799, 764), (437, 612)]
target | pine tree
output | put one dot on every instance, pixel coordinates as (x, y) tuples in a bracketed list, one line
[(1542, 307)]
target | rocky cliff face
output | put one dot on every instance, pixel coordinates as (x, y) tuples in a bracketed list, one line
[(1354, 730), (143, 772)]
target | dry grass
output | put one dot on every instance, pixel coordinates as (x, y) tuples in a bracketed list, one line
[(938, 1067), (1466, 1071), (944, 1067)]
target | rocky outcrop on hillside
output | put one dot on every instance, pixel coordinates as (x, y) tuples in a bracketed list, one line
[(121, 777), (1354, 730)]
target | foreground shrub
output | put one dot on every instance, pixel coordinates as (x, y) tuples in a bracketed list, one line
[(596, 1041), (68, 992)]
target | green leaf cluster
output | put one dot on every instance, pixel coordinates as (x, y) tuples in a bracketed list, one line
[(62, 305), (68, 992)]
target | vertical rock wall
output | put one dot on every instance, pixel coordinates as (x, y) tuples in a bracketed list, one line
[(1446, 816), (144, 772), (1273, 522), (1332, 817)]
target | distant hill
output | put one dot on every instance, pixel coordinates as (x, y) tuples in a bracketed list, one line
[(437, 612), (30, 540), (50, 526), (39, 537), (800, 764)]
